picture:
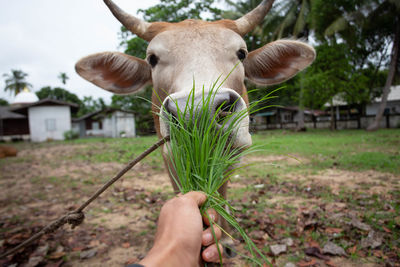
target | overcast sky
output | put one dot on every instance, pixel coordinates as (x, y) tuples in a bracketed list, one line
[(46, 37)]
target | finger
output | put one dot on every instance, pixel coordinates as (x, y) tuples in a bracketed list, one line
[(208, 238), (198, 197), (210, 254), (212, 214)]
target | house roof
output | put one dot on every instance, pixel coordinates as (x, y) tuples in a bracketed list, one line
[(394, 95), (44, 102), (100, 112), (337, 100), (5, 113)]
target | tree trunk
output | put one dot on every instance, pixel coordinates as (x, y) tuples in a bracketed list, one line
[(386, 90), (333, 118)]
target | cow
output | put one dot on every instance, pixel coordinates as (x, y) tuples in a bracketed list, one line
[(200, 51)]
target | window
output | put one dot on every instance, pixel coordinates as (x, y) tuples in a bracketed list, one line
[(288, 117), (51, 125), (95, 126)]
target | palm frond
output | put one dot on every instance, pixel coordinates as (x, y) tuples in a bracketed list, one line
[(338, 25)]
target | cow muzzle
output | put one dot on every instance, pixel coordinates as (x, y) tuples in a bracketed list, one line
[(225, 101)]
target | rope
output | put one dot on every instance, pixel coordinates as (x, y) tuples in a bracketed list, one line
[(76, 217)]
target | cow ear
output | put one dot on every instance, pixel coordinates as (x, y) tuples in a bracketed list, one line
[(278, 61), (115, 72)]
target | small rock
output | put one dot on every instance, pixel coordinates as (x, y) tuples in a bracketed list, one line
[(278, 249), (310, 223), (362, 226), (34, 261), (87, 254), (333, 249), (258, 235), (57, 255), (372, 241), (290, 264), (315, 252), (288, 242), (41, 251), (259, 186), (337, 216), (387, 206)]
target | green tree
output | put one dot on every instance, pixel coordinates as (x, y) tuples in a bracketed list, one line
[(369, 28), (89, 105), (16, 81), (3, 102), (63, 77), (168, 11), (287, 18), (58, 93), (179, 10)]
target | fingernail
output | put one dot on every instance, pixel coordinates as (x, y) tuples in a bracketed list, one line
[(207, 237), (209, 254)]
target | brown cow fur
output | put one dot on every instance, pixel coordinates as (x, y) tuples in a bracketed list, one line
[(7, 151)]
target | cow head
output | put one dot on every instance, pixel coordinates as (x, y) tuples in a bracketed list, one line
[(193, 51)]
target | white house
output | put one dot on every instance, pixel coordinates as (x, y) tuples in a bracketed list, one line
[(108, 122), (48, 118), (392, 105)]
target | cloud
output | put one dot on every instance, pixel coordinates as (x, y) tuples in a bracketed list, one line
[(46, 37)]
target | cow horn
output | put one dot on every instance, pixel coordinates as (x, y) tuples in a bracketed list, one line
[(132, 23), (249, 21)]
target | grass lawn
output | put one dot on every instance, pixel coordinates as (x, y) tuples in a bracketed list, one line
[(349, 149), (315, 188)]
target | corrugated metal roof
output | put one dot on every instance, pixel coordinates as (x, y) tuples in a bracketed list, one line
[(394, 94), (47, 101), (337, 100), (5, 113), (104, 111)]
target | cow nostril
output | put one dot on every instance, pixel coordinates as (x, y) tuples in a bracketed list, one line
[(225, 110)]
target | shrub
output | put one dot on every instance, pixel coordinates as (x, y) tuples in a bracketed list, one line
[(70, 135)]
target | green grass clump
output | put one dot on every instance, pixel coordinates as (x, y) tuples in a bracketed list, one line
[(203, 156)]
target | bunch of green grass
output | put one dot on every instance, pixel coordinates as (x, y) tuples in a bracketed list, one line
[(203, 156)]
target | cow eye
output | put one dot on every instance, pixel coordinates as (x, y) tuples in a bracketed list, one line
[(153, 60), (241, 54)]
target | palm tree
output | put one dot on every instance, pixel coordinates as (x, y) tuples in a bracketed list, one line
[(374, 24), (15, 82), (63, 77), (290, 18), (287, 18)]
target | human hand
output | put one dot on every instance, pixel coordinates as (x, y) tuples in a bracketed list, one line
[(180, 234)]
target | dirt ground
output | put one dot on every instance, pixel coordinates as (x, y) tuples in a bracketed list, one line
[(44, 182)]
